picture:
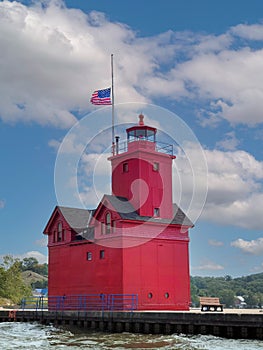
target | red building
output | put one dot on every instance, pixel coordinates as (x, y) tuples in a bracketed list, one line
[(134, 242)]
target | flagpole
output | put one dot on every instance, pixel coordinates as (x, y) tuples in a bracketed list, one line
[(112, 106)]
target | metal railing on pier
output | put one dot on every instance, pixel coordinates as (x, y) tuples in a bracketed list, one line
[(87, 302)]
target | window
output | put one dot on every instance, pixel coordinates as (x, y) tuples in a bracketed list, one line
[(102, 254), (156, 212), (108, 223), (150, 295), (125, 167), (166, 295), (89, 256), (60, 232), (155, 166)]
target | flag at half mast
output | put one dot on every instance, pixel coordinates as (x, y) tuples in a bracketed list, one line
[(101, 97)]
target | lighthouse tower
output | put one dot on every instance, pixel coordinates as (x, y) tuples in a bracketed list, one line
[(143, 174)]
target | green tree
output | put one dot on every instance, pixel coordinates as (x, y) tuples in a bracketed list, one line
[(41, 269), (29, 264), (227, 297), (11, 282)]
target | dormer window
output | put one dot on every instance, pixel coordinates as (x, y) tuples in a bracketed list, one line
[(108, 223), (60, 232)]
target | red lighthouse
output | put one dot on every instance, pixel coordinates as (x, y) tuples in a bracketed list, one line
[(135, 241)]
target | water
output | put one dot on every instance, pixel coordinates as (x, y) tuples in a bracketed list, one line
[(35, 336)]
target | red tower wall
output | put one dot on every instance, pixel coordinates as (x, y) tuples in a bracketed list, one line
[(141, 184)]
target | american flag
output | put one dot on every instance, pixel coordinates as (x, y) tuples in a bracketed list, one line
[(101, 97)]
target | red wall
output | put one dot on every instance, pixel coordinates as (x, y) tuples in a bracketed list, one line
[(158, 266), (70, 272), (158, 183)]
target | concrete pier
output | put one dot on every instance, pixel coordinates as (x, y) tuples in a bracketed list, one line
[(227, 324)]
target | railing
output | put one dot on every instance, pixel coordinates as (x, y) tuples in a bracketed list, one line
[(37, 303), (78, 302), (122, 302), (88, 302), (164, 148), (159, 147)]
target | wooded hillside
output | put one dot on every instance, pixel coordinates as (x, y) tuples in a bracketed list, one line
[(227, 288)]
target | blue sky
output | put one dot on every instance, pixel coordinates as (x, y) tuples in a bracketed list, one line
[(201, 60)]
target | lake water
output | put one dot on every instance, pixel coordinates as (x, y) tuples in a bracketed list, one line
[(35, 336)]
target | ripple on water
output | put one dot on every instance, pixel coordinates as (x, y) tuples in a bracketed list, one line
[(35, 336)]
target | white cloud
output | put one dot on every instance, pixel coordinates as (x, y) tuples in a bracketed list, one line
[(229, 143), (229, 82), (235, 195), (52, 58), (254, 247), (2, 203), (209, 266), (33, 254), (251, 32)]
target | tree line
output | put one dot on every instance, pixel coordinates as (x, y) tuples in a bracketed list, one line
[(228, 288)]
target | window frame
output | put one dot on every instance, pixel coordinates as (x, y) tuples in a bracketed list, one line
[(156, 166), (125, 167), (89, 256), (102, 254), (156, 212), (108, 226), (60, 232)]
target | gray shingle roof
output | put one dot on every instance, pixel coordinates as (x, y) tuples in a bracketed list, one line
[(79, 219), (76, 218), (126, 211)]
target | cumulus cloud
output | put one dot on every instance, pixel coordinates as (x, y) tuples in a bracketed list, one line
[(209, 266), (229, 81), (52, 58), (229, 143), (35, 254), (253, 247), (245, 31), (234, 196)]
